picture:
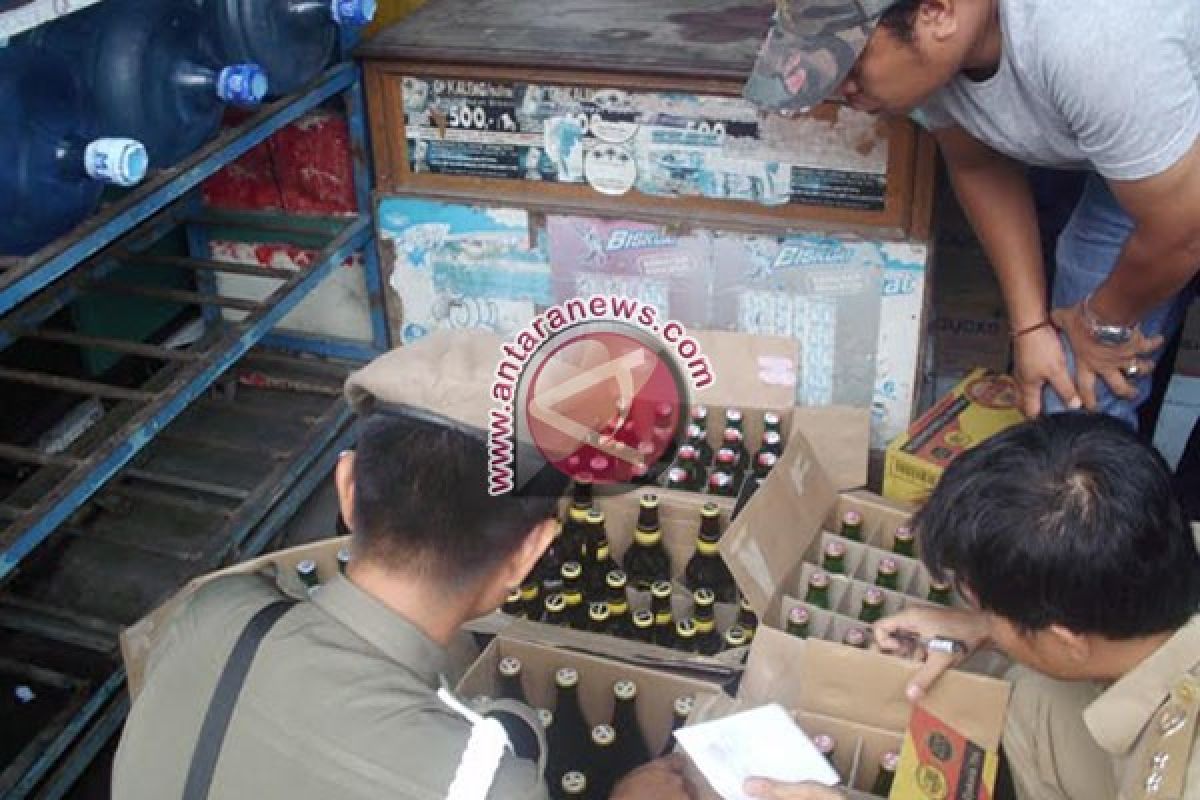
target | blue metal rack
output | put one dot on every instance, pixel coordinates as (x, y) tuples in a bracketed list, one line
[(33, 290)]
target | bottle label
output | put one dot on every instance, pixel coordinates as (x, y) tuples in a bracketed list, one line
[(242, 84), (706, 548), (121, 162), (647, 538), (352, 12)]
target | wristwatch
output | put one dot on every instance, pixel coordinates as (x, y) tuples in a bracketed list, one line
[(1102, 332)]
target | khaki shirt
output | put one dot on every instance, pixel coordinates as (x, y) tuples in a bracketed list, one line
[(340, 702), (1147, 722)]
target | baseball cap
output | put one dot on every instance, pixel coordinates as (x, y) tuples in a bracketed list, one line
[(810, 49)]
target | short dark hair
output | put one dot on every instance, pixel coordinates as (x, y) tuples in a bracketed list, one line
[(1069, 519), (421, 500), (901, 19)]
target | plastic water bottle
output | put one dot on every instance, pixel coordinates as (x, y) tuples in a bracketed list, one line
[(53, 164), (292, 39), (152, 74)]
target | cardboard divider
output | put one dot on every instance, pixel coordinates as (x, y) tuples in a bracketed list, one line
[(841, 624), (873, 744), (657, 690), (908, 571), (880, 516)]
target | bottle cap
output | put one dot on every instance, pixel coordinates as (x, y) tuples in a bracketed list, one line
[(704, 596), (824, 744), (677, 475), (555, 603), (938, 586), (598, 611), (745, 604), (736, 636), (733, 416), (343, 555), (598, 465), (616, 579), (888, 565), (767, 460), (720, 480), (683, 705), (694, 432), (574, 783), (643, 618), (352, 12), (798, 616), (890, 761), (604, 735), (771, 419), (873, 597), (726, 457), (306, 567), (121, 162), (566, 677), (571, 570), (510, 666), (242, 84), (660, 589), (835, 549), (649, 500), (625, 690), (855, 637), (710, 510), (772, 438), (699, 413), (685, 628), (687, 453), (595, 516), (514, 596), (819, 580), (904, 533), (546, 717), (852, 518)]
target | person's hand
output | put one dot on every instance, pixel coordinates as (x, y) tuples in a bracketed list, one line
[(658, 780), (1038, 359), (1108, 363), (774, 790), (897, 634)]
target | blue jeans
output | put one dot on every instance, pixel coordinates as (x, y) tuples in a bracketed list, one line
[(1088, 250)]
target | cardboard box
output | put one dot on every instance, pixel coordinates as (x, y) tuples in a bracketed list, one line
[(858, 698), (981, 406), (657, 690)]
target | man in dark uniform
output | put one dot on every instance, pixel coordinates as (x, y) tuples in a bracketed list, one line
[(345, 695)]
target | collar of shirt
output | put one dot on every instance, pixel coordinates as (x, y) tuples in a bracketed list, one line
[(383, 629), (1117, 718)]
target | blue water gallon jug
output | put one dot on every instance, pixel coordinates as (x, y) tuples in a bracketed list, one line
[(293, 40), (54, 157), (152, 73)]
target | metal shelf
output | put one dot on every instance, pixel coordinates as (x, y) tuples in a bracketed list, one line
[(145, 452), (294, 410)]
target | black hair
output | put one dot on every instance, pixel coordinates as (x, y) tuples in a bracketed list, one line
[(901, 19), (1069, 519), (421, 500)]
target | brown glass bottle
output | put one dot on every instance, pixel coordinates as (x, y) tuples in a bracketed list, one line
[(619, 617), (706, 568), (631, 749), (599, 558), (647, 561), (708, 640), (681, 711), (664, 617), (508, 678)]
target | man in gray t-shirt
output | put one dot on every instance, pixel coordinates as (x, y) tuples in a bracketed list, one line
[(1106, 86)]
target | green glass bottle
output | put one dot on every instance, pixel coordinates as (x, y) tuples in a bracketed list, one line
[(941, 593), (306, 571), (818, 590), (852, 526), (833, 558), (798, 621), (772, 422), (888, 574), (764, 463), (855, 637), (904, 543), (872, 605), (678, 478), (826, 745)]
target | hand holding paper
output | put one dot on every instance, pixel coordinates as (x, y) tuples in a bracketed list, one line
[(762, 743)]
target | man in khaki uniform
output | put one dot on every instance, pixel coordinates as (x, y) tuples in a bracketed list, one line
[(1064, 534), (341, 695)]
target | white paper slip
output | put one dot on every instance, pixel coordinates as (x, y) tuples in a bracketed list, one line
[(763, 743)]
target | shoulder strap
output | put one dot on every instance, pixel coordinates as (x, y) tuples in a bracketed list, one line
[(225, 696)]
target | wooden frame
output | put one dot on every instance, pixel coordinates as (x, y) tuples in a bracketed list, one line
[(906, 203)]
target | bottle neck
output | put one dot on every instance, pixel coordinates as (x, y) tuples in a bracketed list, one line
[(196, 78), (71, 157), (310, 12), (624, 714)]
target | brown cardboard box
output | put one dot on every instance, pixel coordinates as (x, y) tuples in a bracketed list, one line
[(657, 690), (858, 698)]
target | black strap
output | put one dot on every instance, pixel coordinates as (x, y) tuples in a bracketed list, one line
[(225, 697)]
